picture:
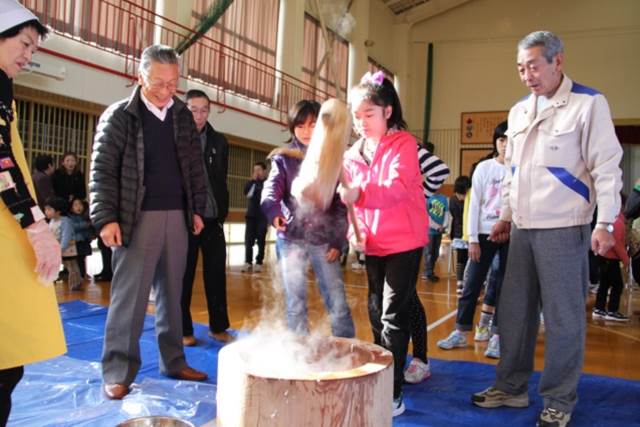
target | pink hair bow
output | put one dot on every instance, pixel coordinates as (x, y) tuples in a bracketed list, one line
[(375, 79)]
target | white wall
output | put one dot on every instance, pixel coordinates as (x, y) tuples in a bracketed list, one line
[(474, 54), (381, 25), (81, 82), (475, 59)]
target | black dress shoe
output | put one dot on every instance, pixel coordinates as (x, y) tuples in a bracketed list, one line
[(102, 278)]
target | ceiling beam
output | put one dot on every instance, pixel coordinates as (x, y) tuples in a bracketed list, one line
[(428, 10)]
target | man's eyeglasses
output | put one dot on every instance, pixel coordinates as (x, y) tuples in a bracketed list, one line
[(157, 85), (195, 110)]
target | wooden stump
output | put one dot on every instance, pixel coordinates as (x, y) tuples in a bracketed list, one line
[(359, 394)]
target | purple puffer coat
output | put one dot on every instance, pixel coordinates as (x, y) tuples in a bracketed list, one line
[(317, 228)]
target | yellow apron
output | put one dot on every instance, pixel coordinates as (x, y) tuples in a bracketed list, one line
[(30, 326)]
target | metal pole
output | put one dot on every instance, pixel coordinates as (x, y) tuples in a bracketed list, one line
[(214, 13), (427, 97)]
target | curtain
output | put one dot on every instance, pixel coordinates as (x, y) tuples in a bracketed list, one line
[(125, 26), (314, 50), (239, 52)]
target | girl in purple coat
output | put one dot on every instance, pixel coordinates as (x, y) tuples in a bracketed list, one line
[(316, 236)]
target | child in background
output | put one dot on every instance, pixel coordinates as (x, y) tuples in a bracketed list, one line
[(484, 211), (256, 223), (434, 172), (438, 209), (83, 232), (594, 267), (456, 209), (611, 276), (55, 209), (316, 236), (385, 188), (632, 213)]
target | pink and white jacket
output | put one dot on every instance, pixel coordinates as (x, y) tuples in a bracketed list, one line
[(391, 210)]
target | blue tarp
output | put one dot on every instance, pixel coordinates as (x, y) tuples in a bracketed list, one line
[(66, 391)]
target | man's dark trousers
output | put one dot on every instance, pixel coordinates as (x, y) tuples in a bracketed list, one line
[(255, 231), (214, 259)]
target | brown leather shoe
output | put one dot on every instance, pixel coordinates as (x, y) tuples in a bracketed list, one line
[(223, 336), (115, 391), (189, 341), (189, 374)]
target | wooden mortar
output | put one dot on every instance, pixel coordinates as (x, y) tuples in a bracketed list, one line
[(360, 395)]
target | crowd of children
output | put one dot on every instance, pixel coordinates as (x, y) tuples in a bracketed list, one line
[(62, 194)]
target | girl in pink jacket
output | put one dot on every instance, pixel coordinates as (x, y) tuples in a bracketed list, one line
[(385, 188)]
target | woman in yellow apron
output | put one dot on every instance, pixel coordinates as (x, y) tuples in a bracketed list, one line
[(30, 327)]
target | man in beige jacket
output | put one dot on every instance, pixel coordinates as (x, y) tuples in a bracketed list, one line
[(563, 159)]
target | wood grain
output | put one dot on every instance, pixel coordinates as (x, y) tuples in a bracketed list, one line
[(360, 396)]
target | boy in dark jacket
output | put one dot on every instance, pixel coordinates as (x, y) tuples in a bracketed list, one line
[(215, 159), (256, 222)]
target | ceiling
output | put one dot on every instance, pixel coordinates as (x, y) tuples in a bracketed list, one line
[(414, 11), (399, 6)]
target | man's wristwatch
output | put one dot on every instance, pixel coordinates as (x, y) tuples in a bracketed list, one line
[(604, 226)]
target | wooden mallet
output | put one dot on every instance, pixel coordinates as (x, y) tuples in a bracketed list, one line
[(321, 169)]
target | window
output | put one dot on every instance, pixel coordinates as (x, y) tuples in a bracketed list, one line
[(125, 26), (59, 15), (239, 53), (47, 129), (314, 51)]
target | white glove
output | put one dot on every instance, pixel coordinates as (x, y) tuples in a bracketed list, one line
[(47, 250)]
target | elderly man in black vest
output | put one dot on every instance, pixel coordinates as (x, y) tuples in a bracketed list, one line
[(147, 191)]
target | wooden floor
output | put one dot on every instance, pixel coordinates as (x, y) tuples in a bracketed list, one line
[(612, 349)]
